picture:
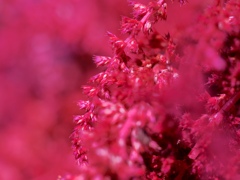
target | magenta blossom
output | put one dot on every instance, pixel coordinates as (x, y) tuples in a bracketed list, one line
[(164, 107)]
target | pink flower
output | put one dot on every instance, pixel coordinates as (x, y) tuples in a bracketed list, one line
[(163, 107)]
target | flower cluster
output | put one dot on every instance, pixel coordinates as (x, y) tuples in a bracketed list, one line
[(164, 107)]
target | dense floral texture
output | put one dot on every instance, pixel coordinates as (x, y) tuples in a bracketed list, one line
[(164, 107)]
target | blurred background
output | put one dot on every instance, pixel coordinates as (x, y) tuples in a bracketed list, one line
[(46, 50)]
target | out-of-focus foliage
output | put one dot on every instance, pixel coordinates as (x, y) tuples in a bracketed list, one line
[(166, 106)]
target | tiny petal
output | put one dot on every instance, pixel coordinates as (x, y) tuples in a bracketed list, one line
[(102, 60), (118, 45), (147, 28), (133, 46), (84, 105), (139, 10), (89, 90), (130, 26)]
